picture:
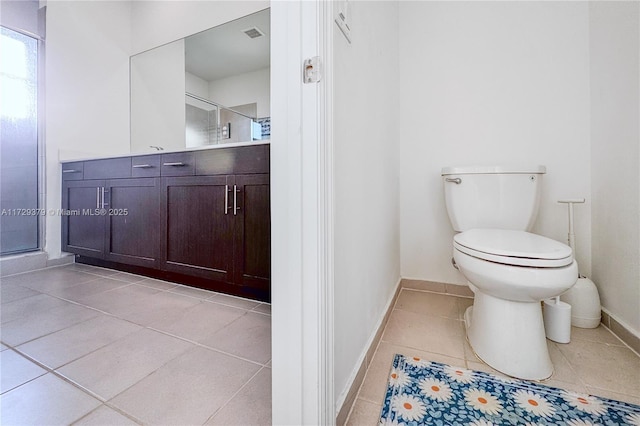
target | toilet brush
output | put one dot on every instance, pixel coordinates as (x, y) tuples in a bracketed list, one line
[(583, 296)]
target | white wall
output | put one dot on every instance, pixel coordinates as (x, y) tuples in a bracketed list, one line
[(241, 89), (367, 262), (159, 22), (87, 90), (196, 85), (490, 83), (157, 98), (615, 152)]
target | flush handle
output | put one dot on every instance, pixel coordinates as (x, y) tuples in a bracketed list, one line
[(457, 181)]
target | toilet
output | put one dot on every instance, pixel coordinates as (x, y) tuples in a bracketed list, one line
[(509, 269)]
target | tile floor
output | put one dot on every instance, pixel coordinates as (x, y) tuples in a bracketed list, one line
[(91, 346), (429, 325)]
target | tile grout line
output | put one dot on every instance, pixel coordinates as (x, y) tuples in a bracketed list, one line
[(215, 413)]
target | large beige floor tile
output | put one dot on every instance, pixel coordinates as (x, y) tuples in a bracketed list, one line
[(192, 291), (199, 322), (105, 416), (22, 308), (375, 382), (61, 347), (95, 270), (421, 302), (163, 306), (79, 291), (238, 302), (597, 335), (632, 399), (127, 277), (45, 322), (201, 380), (47, 400), (255, 343), (120, 300), (614, 368), (54, 278), (562, 369), (364, 413), (16, 370), (117, 366), (257, 395), (263, 308), (11, 293), (159, 284), (426, 332)]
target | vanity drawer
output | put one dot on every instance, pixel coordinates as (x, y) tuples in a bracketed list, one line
[(73, 171), (111, 168), (145, 166), (234, 160), (178, 164)]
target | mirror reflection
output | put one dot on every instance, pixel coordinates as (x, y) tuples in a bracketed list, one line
[(209, 88)]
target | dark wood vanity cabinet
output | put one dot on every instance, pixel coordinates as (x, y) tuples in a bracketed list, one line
[(219, 227), (199, 229), (115, 220), (83, 228), (203, 214), (252, 239), (133, 221)]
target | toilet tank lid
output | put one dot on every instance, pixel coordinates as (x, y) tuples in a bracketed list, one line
[(466, 170)]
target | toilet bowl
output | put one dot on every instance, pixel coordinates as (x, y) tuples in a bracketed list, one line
[(510, 273), (509, 269)]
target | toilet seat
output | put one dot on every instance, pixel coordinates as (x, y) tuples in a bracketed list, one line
[(516, 248)]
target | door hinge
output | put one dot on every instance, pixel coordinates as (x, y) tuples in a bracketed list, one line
[(311, 72)]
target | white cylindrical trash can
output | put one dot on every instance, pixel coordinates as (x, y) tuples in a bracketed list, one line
[(557, 320), (585, 303)]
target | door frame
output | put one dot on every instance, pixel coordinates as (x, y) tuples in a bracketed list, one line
[(302, 215)]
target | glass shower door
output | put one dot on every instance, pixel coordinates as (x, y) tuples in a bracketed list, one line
[(18, 143)]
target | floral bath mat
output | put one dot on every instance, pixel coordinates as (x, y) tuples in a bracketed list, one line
[(429, 393)]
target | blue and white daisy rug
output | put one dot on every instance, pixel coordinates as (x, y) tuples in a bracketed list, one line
[(429, 393)]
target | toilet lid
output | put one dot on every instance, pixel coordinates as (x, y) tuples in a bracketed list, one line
[(511, 247)]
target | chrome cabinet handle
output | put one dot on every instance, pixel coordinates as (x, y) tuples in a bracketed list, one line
[(176, 164), (235, 200), (226, 199), (103, 202), (71, 171), (457, 181), (142, 166), (97, 197)]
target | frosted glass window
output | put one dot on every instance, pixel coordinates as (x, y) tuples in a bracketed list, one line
[(18, 142)]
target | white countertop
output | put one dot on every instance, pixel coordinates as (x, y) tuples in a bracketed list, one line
[(71, 156)]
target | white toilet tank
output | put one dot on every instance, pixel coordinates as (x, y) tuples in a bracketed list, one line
[(492, 197)]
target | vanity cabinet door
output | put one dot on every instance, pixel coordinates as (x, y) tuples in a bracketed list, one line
[(198, 226), (133, 221), (252, 240), (83, 224)]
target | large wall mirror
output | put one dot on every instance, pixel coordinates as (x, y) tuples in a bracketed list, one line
[(206, 89)]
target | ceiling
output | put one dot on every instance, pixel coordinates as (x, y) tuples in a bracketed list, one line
[(226, 50)]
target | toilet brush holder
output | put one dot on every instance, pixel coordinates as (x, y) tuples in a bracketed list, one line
[(557, 320), (585, 303), (583, 296)]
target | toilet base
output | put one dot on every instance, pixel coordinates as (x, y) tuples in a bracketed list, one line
[(509, 336)]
